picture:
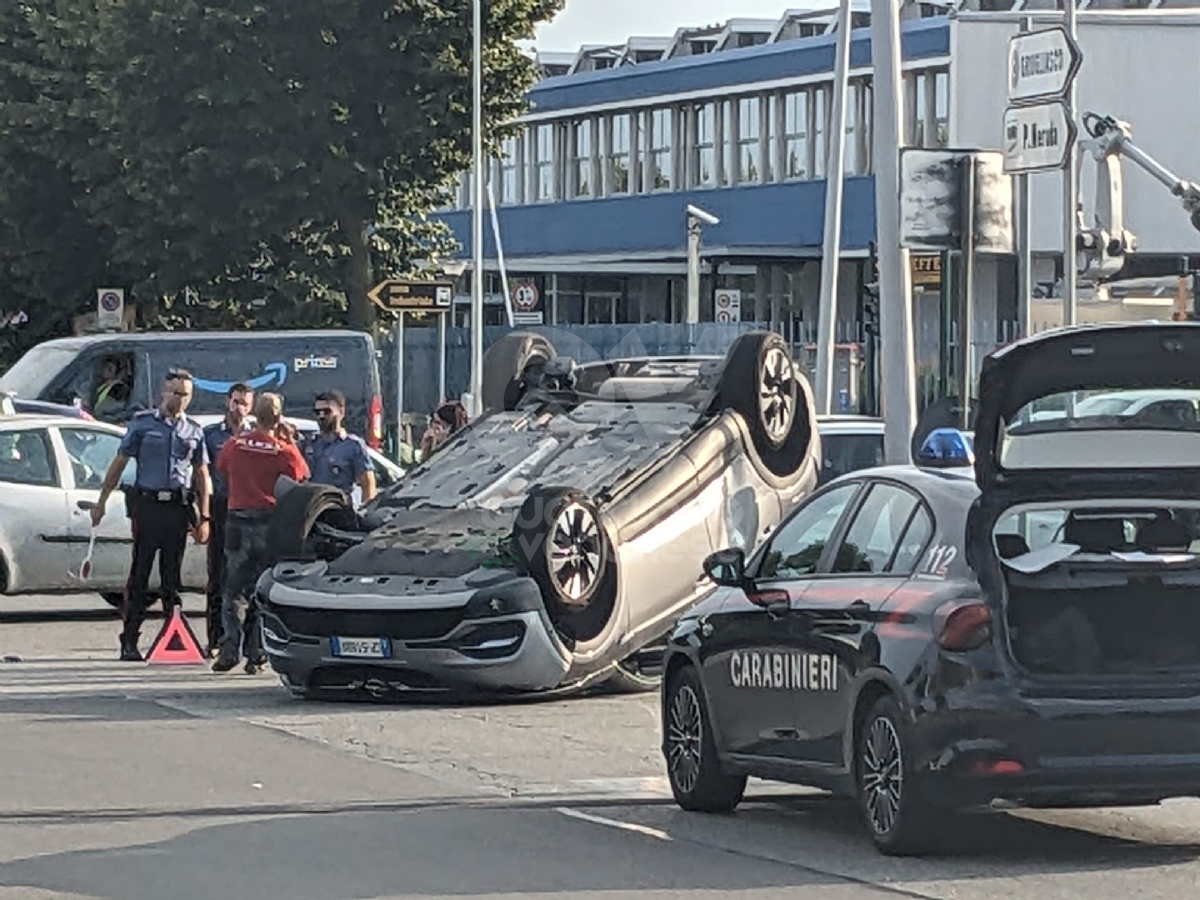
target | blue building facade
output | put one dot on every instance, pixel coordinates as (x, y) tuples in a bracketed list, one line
[(590, 194)]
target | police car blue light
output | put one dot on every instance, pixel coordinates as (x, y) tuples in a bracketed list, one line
[(945, 448)]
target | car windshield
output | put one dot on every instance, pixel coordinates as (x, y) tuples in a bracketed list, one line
[(34, 371), (1104, 429), (492, 464), (844, 453)]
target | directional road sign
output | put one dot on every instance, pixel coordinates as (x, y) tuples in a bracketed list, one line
[(397, 294), (1041, 65), (1037, 138)]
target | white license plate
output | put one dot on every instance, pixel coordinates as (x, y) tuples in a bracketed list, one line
[(362, 648)]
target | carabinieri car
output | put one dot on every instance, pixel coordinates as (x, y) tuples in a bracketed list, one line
[(550, 544), (929, 642)]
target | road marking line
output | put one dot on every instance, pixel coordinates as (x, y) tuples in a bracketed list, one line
[(614, 823)]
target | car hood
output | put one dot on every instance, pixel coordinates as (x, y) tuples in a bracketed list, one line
[(1027, 439)]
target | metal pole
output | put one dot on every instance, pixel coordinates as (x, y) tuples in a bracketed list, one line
[(508, 307), (477, 274), (895, 279), (1024, 242), (399, 378), (831, 249), (693, 271), (966, 330), (442, 357), (1070, 195)]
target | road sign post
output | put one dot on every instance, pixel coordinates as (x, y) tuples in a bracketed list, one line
[(403, 296), (1039, 126)]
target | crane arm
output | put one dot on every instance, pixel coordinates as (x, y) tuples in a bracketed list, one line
[(1101, 249)]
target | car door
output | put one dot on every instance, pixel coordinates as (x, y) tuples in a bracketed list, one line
[(88, 452), (33, 512), (750, 661), (871, 557)]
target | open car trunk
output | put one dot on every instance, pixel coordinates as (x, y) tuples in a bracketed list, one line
[(1111, 592)]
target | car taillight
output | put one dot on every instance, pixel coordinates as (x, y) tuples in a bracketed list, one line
[(375, 423), (769, 598), (963, 626)]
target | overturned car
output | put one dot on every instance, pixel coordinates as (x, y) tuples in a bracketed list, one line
[(550, 545)]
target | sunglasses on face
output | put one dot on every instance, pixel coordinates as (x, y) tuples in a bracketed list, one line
[(322, 411)]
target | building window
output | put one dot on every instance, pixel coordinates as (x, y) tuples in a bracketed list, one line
[(582, 186), (706, 145), (851, 156), (795, 135), (658, 173), (508, 171), (866, 106), (728, 145), (749, 141), (941, 111), (544, 163), (820, 118), (618, 162)]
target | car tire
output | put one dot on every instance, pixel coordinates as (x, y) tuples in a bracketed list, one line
[(762, 383), (578, 591), (505, 363), (697, 781), (113, 599), (296, 513), (898, 818), (638, 673)]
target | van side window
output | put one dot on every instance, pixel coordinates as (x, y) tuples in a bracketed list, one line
[(112, 385)]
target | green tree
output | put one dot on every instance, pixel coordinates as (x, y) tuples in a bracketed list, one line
[(285, 151)]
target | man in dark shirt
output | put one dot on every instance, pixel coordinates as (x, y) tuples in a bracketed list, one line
[(172, 463), (251, 463), (334, 456), (238, 402)]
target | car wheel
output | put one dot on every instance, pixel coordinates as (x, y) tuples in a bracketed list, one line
[(761, 382), (697, 782), (638, 673), (296, 513), (561, 542), (899, 820), (505, 364)]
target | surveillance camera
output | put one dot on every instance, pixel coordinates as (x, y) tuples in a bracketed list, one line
[(707, 218)]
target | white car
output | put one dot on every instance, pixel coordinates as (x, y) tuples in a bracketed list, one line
[(51, 470)]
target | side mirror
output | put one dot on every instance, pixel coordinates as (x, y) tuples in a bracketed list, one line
[(727, 567)]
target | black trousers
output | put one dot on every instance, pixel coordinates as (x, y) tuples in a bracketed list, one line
[(215, 590), (159, 529)]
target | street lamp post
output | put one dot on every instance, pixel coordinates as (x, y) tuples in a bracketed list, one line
[(477, 273)]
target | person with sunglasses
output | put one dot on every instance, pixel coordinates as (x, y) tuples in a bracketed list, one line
[(172, 474), (334, 456)]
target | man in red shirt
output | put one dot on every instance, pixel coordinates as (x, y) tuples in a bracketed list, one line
[(251, 463)]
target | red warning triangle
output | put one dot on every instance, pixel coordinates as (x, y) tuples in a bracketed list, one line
[(176, 644)]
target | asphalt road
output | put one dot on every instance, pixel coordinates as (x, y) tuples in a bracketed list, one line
[(127, 781)]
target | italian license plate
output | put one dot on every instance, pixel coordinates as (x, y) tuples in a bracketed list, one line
[(362, 648)]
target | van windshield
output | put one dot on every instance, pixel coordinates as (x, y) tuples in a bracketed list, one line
[(34, 371)]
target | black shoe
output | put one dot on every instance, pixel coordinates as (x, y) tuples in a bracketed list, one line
[(224, 664), (256, 664), (130, 653)]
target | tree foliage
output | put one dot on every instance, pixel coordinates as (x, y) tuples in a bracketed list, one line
[(271, 157)]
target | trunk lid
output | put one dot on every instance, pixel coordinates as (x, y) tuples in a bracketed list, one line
[(1108, 409)]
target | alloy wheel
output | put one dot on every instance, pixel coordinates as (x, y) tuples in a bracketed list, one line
[(574, 551), (776, 394), (684, 738), (882, 776)]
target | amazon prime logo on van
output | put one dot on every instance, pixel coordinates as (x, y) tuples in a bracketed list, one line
[(301, 363), (274, 373)]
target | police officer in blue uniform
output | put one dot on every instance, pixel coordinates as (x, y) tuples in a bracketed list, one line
[(239, 400), (172, 475), (334, 456)]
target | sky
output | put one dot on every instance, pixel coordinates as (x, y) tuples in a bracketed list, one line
[(612, 21)]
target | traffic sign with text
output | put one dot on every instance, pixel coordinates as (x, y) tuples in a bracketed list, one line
[(398, 294), (1037, 138), (1041, 65)]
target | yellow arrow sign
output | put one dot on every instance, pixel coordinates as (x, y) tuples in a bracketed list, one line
[(400, 295)]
